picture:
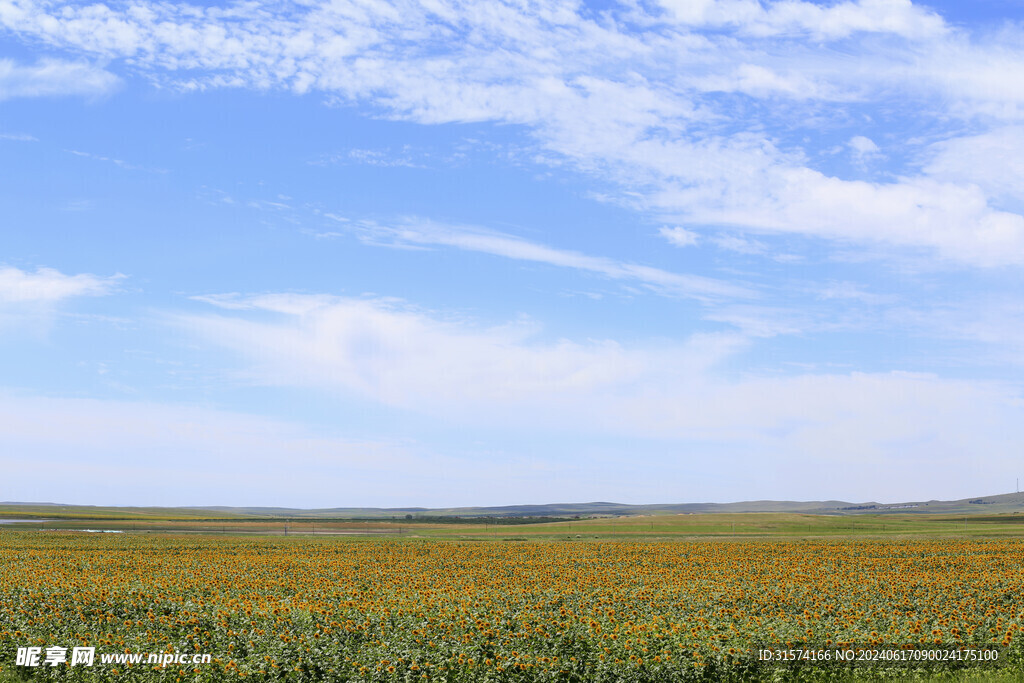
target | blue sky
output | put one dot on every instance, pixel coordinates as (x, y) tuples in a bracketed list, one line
[(440, 253)]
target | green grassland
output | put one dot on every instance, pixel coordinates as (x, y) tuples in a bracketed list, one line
[(754, 525), (737, 526), (91, 512)]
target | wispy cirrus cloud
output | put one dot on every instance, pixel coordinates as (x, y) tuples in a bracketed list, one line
[(679, 236), (31, 300), (121, 163), (48, 286), (53, 77), (384, 158), (427, 233), (667, 129)]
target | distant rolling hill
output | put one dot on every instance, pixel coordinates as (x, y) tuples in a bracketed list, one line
[(1003, 503), (1007, 502)]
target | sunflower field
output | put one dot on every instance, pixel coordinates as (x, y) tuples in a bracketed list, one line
[(332, 609)]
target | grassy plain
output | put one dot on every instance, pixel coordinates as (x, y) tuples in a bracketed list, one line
[(627, 606), (663, 526)]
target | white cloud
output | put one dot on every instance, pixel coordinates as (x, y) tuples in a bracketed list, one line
[(200, 455), (839, 20), (764, 321), (117, 162), (48, 286), (501, 378), (373, 157), (862, 145), (992, 320), (979, 78), (679, 236), (740, 245), (863, 150), (420, 232), (954, 220), (639, 106), (852, 291), (52, 77), (761, 81), (18, 137), (405, 358), (994, 161), (832, 433)]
